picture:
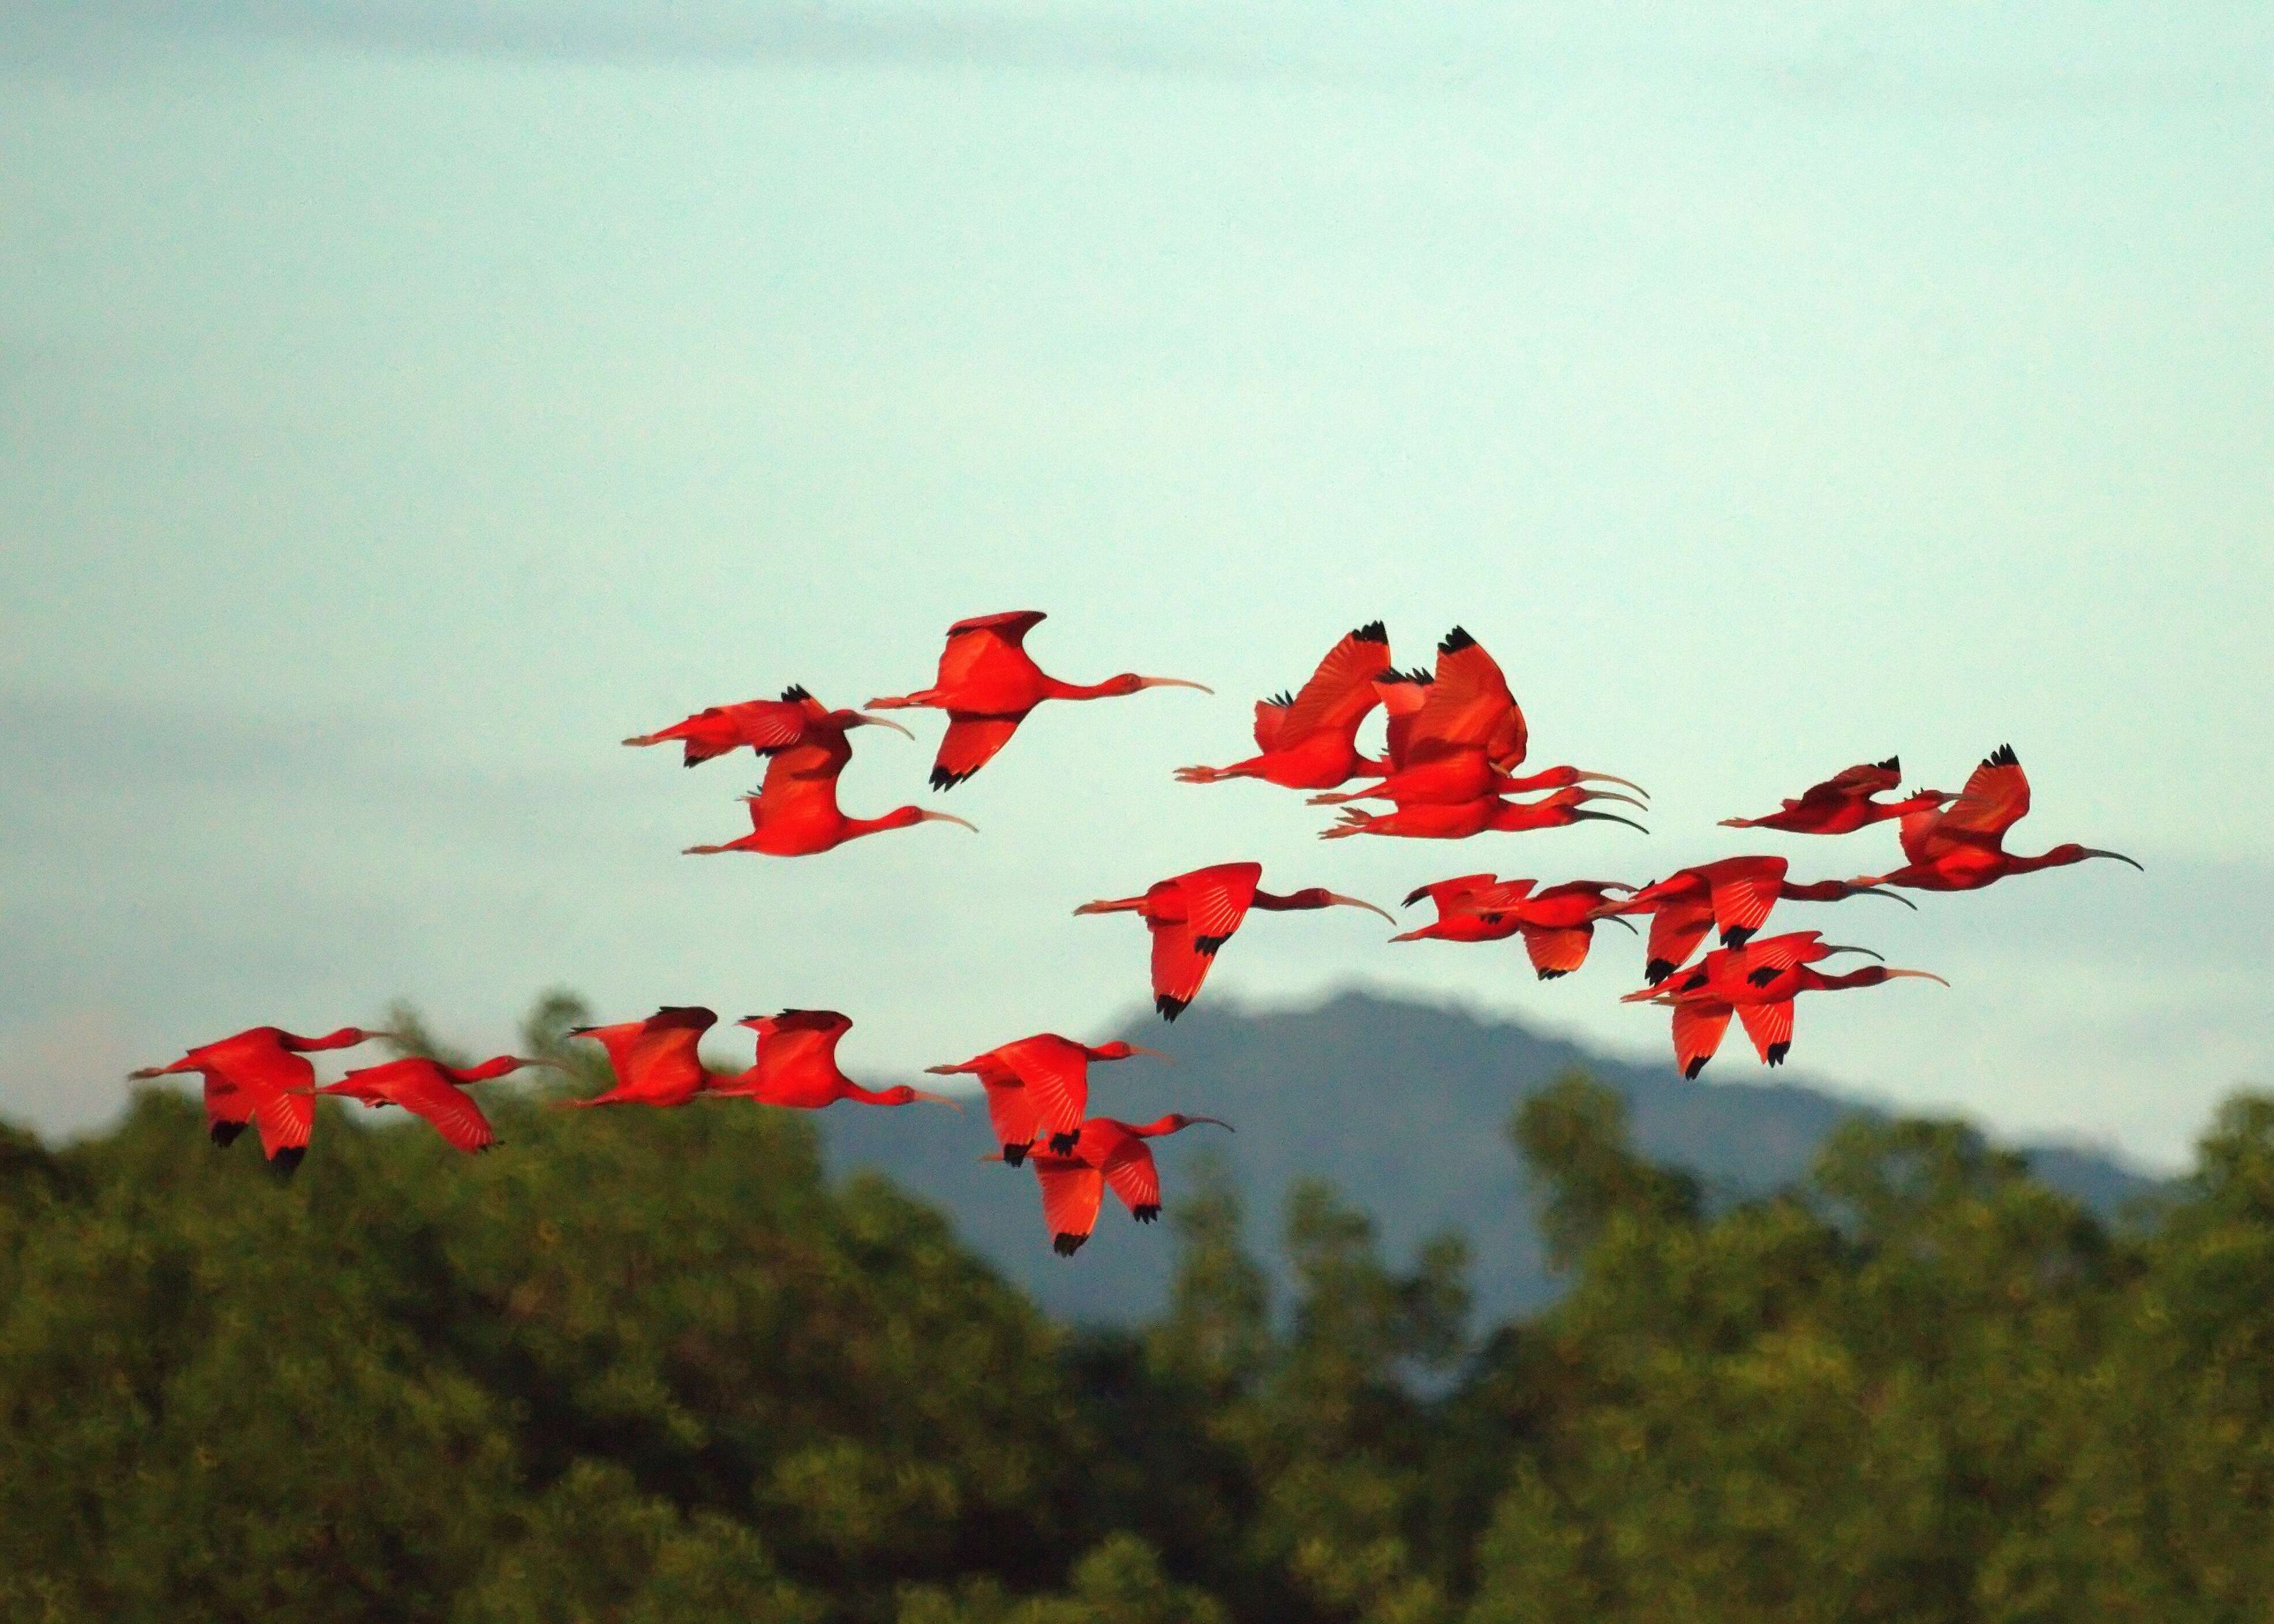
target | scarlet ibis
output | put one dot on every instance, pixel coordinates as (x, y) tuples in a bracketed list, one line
[(429, 1089), (795, 811), (1457, 820), (1192, 916), (988, 683), (1557, 923), (1309, 740), (654, 1061), (1036, 1083), (1758, 982), (1961, 847), (1735, 893), (765, 725), (1104, 1151), (1842, 803), (796, 1066), (1457, 735), (258, 1076)]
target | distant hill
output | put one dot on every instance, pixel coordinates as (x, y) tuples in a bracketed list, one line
[(1401, 1105)]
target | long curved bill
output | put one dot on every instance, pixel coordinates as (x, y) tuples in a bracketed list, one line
[(955, 1105), (1894, 896), (1603, 817), (1831, 948), (941, 817), (1613, 794), (880, 722), (1215, 1121), (1347, 901), (1172, 682), (1922, 975), (1615, 918), (1139, 1048), (2094, 851), (1586, 776)]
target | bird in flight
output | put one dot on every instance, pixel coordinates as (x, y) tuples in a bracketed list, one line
[(1557, 924), (796, 1066), (1842, 803), (765, 725), (654, 1061), (1758, 982), (1038, 1085), (1487, 814), (1961, 847), (1104, 1151), (987, 684), (431, 1090), (794, 812), (259, 1076), (1309, 740), (1194, 915), (1734, 893)]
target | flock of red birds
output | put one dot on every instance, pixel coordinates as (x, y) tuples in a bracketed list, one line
[(1454, 741)]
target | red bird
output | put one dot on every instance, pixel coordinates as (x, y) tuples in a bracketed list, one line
[(1309, 740), (795, 811), (654, 1061), (258, 1077), (1842, 803), (765, 725), (987, 684), (1758, 982), (1557, 923), (1104, 1151), (429, 1089), (1962, 848), (1433, 821), (1194, 915), (1734, 893), (1457, 735), (1038, 1084), (796, 1066)]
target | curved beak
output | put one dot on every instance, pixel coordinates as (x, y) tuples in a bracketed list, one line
[(1216, 1121), (1896, 896), (1139, 1048), (2093, 851), (864, 719), (1616, 918), (1830, 948), (1606, 818), (1611, 778), (1613, 794), (955, 1105), (1172, 682), (1347, 901), (1922, 975), (941, 817), (1414, 895)]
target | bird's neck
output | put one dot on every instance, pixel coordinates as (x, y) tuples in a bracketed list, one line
[(899, 818), (1112, 687), (488, 1069)]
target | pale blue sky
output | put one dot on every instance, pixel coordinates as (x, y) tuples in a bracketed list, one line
[(399, 403)]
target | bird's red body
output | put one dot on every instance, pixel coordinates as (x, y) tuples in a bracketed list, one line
[(1735, 893), (655, 1060), (1842, 803), (1104, 1151), (1961, 847), (766, 726), (1309, 740), (795, 811), (259, 1076), (988, 683), (1557, 924), (796, 1066), (1757, 982), (1194, 915), (1433, 820), (1038, 1086), (431, 1090)]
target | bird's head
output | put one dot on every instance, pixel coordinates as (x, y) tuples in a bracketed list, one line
[(2072, 853), (1129, 682), (1119, 1050), (900, 1094)]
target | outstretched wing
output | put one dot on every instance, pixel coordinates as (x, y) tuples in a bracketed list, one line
[(1341, 691), (1057, 1077), (1995, 799), (285, 1122), (1272, 720), (1458, 894), (1675, 931), (1403, 694), (1697, 1028), (1010, 1104), (451, 1111), (1136, 1180), (1071, 1191), (977, 645), (1469, 708), (1770, 1027), (801, 1037), (1556, 952), (969, 743), (1854, 783), (1743, 890), (1778, 953)]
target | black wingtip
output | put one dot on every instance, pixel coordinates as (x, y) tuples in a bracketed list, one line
[(2003, 756), (1063, 1143), (1455, 640), (1373, 631), (1689, 1072), (1147, 1213), (1014, 1154), (1550, 975), (287, 1161), (1207, 946), (1171, 1008), (223, 1134), (797, 693), (1068, 1245), (1737, 935), (1656, 970), (941, 779), (1777, 1052), (1281, 701), (1893, 764), (1762, 976)]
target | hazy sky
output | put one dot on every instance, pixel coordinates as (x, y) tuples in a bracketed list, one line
[(400, 402)]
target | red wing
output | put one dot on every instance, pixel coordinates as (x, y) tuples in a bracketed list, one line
[(1071, 1191), (1178, 967), (1403, 694), (764, 724), (970, 744), (821, 752), (1697, 1028), (788, 797), (1744, 890), (1779, 952), (803, 1036), (1856, 784), (1271, 723), (455, 1115), (1469, 707), (1917, 830), (1134, 1177), (1341, 691), (1496, 898), (1218, 899), (267, 1068), (1011, 1110), (225, 1102), (1675, 932), (1057, 1076), (1558, 952), (1454, 895), (285, 1121), (1769, 1026), (666, 1040), (1995, 799), (982, 641)]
